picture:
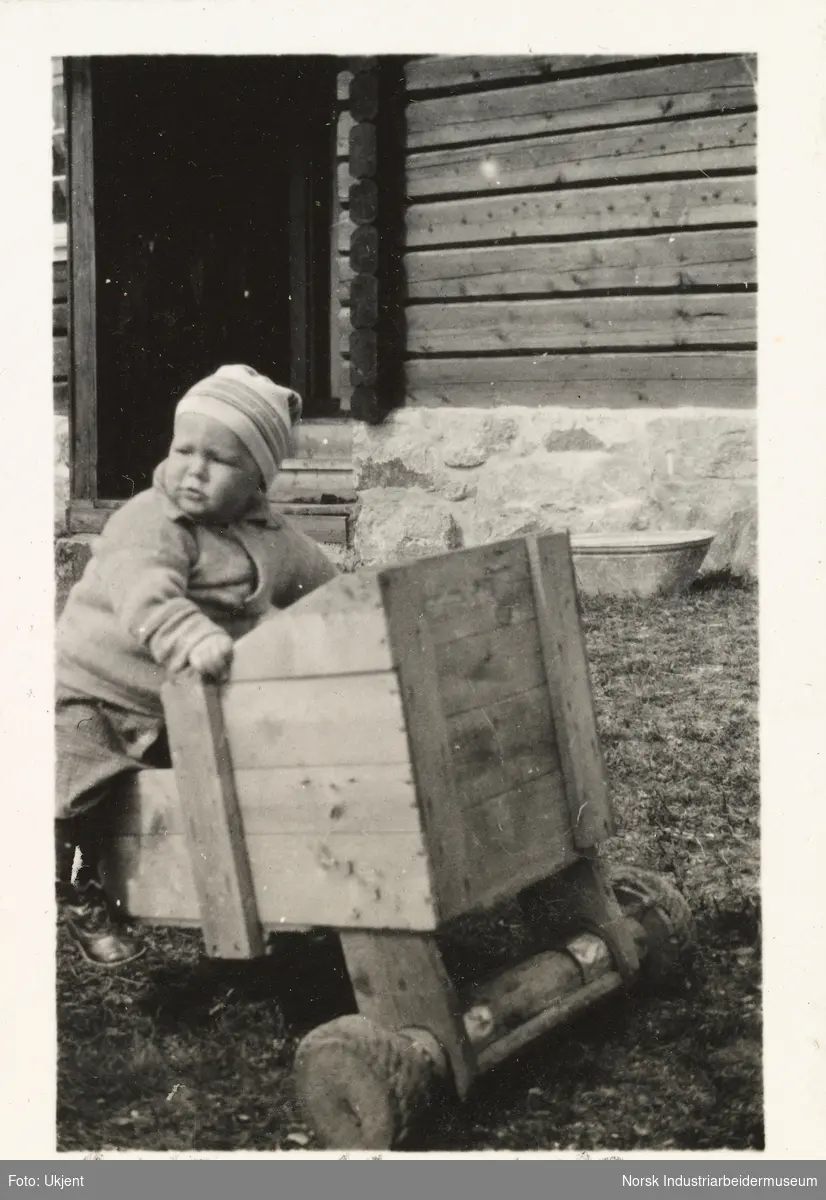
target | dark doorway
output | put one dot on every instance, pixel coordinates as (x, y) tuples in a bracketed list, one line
[(212, 182)]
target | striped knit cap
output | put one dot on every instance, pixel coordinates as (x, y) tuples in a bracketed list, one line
[(259, 412)]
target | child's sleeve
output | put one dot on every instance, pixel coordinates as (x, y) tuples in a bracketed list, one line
[(311, 568), (144, 562)]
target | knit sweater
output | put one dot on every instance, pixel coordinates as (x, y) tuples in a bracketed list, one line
[(158, 583)]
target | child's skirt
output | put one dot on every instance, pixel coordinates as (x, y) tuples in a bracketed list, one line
[(95, 743)]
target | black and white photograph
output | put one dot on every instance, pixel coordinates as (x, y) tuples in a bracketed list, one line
[(423, 757), (407, 766)]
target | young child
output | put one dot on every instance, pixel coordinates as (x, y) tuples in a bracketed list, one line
[(180, 572)]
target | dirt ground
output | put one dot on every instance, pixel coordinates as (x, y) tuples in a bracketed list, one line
[(179, 1053)]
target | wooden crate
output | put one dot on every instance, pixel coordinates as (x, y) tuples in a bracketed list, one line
[(398, 748)]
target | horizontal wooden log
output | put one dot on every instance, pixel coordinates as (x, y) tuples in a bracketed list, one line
[(363, 150), (363, 200), (60, 357), (367, 404), (707, 144), (555, 1014), (507, 1001), (620, 98), (707, 259), (315, 722), (717, 379), (363, 880), (438, 71), (364, 301), (488, 667), (60, 397), (577, 212), (362, 347), (364, 95), (292, 800), (582, 323), (60, 318), (364, 249), (498, 747), (704, 144)]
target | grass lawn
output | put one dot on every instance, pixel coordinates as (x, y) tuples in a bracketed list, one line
[(178, 1053)]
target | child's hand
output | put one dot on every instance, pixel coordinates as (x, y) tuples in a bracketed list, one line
[(212, 656)]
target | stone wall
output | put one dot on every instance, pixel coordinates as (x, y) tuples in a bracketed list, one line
[(431, 480)]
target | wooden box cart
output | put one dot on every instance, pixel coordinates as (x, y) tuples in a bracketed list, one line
[(399, 749)]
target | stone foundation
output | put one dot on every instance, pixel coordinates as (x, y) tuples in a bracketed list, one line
[(431, 480)]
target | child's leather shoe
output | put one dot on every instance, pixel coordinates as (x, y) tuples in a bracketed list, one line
[(100, 939)]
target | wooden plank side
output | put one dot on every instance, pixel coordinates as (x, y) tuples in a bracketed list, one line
[(433, 72), (478, 605), (290, 800), (215, 836), (707, 144), (313, 645), (486, 668), (619, 98), (338, 629), (708, 259), (363, 880), (315, 722), (413, 650), (569, 689), (567, 324), (474, 591), (718, 378), (518, 838), (498, 747), (578, 212)]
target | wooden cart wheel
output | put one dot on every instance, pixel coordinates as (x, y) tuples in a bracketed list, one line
[(656, 904), (362, 1087)]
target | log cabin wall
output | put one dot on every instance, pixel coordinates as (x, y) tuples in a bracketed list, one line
[(580, 298)]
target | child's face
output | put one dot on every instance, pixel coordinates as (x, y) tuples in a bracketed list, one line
[(210, 473)]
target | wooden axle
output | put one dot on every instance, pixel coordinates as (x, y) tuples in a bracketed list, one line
[(504, 1014)]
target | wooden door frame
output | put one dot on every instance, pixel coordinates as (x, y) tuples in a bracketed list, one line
[(309, 351)]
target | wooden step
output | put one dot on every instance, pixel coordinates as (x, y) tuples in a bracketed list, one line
[(315, 480), (324, 439)]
